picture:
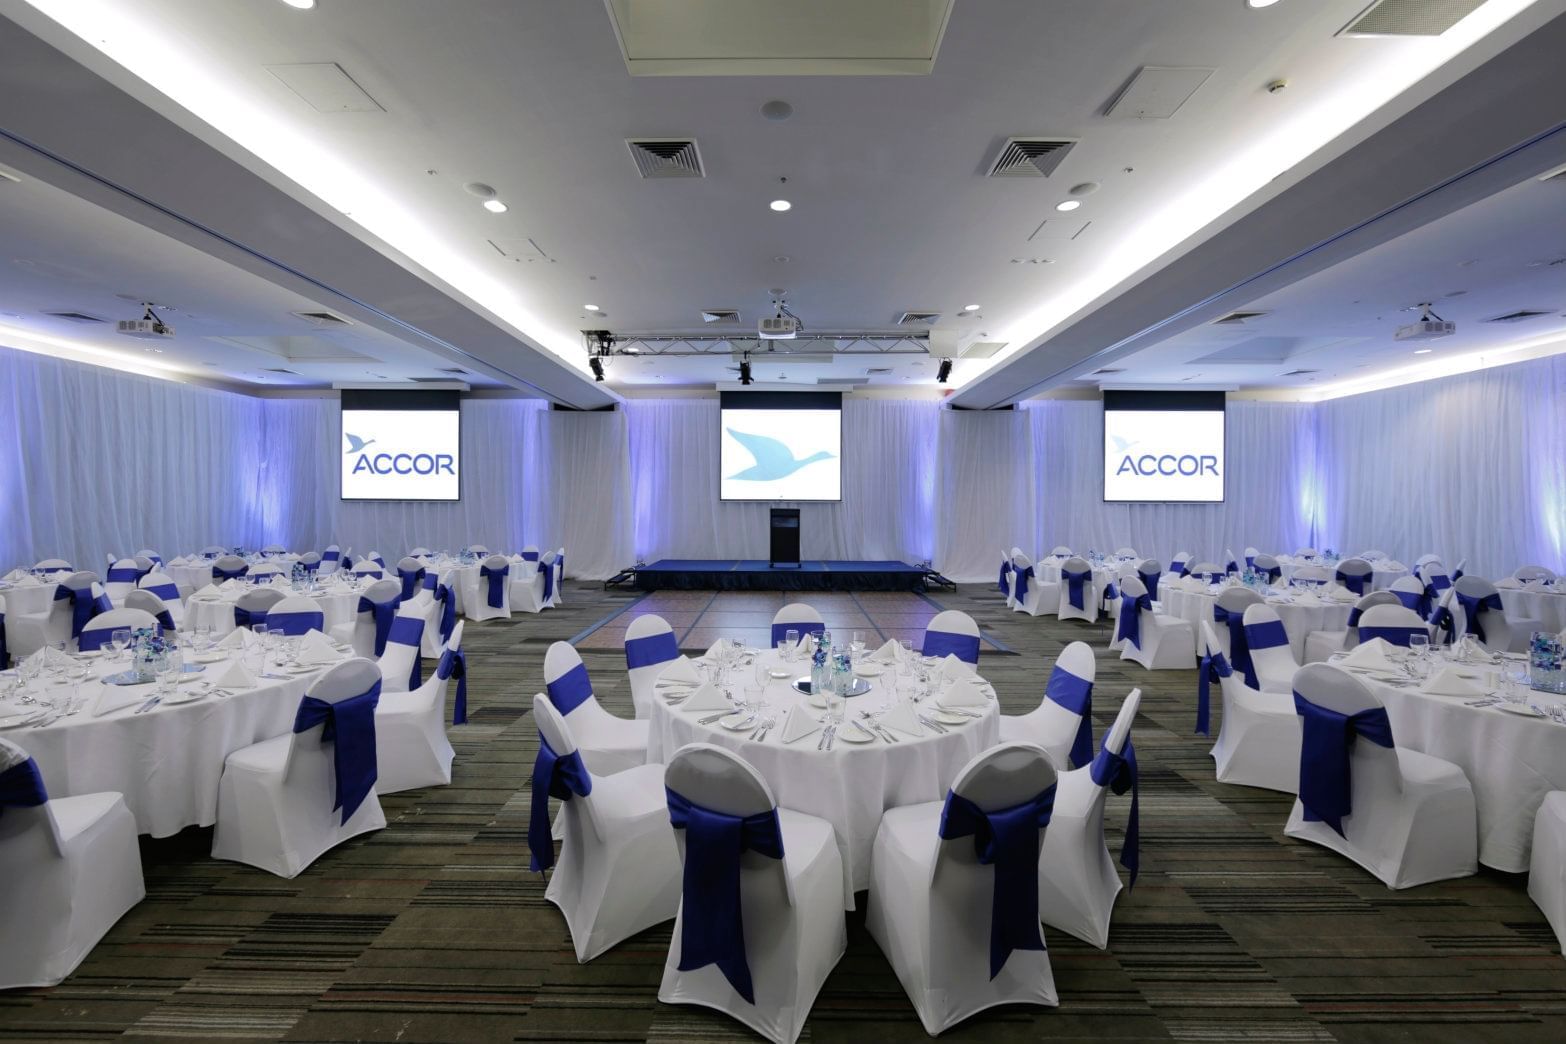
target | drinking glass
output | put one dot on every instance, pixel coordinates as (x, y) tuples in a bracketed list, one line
[(791, 636), (752, 700), (856, 644), (119, 641), (907, 647)]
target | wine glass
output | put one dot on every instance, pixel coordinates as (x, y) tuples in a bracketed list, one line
[(119, 641), (791, 643)]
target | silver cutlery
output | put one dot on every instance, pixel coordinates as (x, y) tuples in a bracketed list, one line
[(713, 717), (145, 707), (932, 726), (821, 743), (831, 736), (856, 724), (880, 730)]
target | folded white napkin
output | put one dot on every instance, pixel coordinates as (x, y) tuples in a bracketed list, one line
[(236, 677), (112, 697), (707, 698), (208, 593), (952, 668), (1451, 683), (45, 656), (1391, 565), (891, 652), (1339, 593), (680, 672), (235, 639), (799, 724), (1371, 654), (314, 647), (1509, 582), (901, 717), (964, 692), (179, 560), (232, 585), (15, 574)]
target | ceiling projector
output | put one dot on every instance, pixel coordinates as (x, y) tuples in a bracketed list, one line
[(148, 327), (1428, 328), (777, 328)]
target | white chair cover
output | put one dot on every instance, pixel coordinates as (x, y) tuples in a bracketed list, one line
[(151, 604), (295, 615), (527, 587), (486, 592), (1077, 600), (1319, 645), (1161, 642), (1062, 723), (361, 630), (796, 616), (1271, 654), (650, 646), (100, 628), (608, 744), (411, 746), (71, 868), (1030, 593), (163, 586), (1547, 865), (952, 632), (1258, 742), (402, 662)]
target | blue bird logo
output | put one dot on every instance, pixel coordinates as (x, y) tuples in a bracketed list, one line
[(1121, 445), (355, 443), (773, 459)]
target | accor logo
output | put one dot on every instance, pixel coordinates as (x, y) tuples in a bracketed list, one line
[(1150, 464)]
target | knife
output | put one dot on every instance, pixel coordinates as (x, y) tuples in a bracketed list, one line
[(149, 705)]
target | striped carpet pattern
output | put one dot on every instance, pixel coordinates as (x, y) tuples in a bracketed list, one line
[(433, 930)]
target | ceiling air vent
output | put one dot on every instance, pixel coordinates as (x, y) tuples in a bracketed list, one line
[(878, 371), (77, 317), (1236, 318), (452, 369), (1520, 316), (1107, 370), (983, 349), (666, 157), (324, 319), (720, 315), (1410, 17), (1030, 157), (279, 369), (918, 318), (1298, 373)]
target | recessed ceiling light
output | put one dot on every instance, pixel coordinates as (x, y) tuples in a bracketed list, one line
[(970, 308), (591, 308), (303, 5), (1260, 3), (1423, 351), (495, 206), (780, 205), (1068, 204)]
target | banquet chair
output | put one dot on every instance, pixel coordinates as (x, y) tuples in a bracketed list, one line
[(331, 558), (53, 565), (558, 576), (285, 801), (619, 870), (77, 598), (1319, 645), (1059, 551), (1229, 624), (1533, 572), (1211, 572), (1180, 564), (410, 572), (1030, 593), (251, 608), (1390, 623), (420, 552), (372, 621), (532, 583), (954, 889), (368, 567), (796, 616), (401, 661), (609, 744), (490, 597), (265, 572), (150, 555), (1547, 863), (1316, 575), (71, 867), (1078, 600), (1258, 742), (1406, 817), (1478, 604), (1373, 555), (122, 578), (952, 632), (295, 615), (1149, 571), (1354, 574), (477, 549), (310, 562), (1077, 879), (1250, 557), (154, 606), (1307, 553), (163, 586), (411, 746), (1268, 566), (1410, 592), (100, 629), (1268, 644), (1155, 640), (760, 947), (274, 549), (214, 551), (228, 567), (418, 598), (1457, 574), (1003, 580), (1062, 723), (1126, 552), (1436, 580), (650, 646)]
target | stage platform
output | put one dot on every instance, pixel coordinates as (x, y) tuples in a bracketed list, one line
[(689, 574)]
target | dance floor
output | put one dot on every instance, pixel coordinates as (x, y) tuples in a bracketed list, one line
[(433, 930)]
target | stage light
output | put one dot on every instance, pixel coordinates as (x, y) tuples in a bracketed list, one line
[(744, 371), (597, 366), (945, 371)]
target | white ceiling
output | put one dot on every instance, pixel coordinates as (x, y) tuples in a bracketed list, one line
[(891, 211), (1504, 254), (61, 253)]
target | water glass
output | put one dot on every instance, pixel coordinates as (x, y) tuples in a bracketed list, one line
[(856, 644), (752, 700), (169, 671), (119, 640), (791, 636)]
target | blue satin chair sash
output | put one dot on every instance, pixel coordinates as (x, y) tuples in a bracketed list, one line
[(530, 556), (5, 657), (448, 610), (127, 574), (310, 567), (295, 624), (570, 690), (1273, 573), (220, 575), (1005, 570), (1250, 561), (1213, 668), (411, 581), (383, 613), (1150, 581), (1475, 607), (1395, 635), (1269, 634), (943, 643), (453, 663), (1129, 627), (84, 605), (244, 619), (349, 725), (548, 572), (554, 776), (1413, 600), (331, 556), (651, 649), (1239, 649), (1020, 578), (497, 584), (1231, 566), (409, 630), (1007, 839), (1328, 737), (1076, 695), (93, 639), (780, 630), (1074, 584), (712, 926), (166, 592), (1182, 568), (1118, 773), (22, 786), (1354, 582)]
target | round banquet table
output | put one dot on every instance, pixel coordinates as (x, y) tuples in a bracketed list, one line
[(27, 597), (1104, 574), (168, 761), (1548, 606), (339, 604), (851, 785), (1383, 571), (1511, 761), (1301, 612)]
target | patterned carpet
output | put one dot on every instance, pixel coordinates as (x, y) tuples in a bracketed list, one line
[(432, 930)]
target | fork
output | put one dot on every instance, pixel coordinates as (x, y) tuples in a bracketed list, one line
[(880, 730)]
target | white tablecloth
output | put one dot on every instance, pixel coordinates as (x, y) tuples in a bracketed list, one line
[(1511, 761), (338, 605), (27, 597), (1548, 607), (851, 785), (1300, 613), (168, 761), (1383, 572)]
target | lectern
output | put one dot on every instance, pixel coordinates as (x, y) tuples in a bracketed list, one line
[(785, 538)]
